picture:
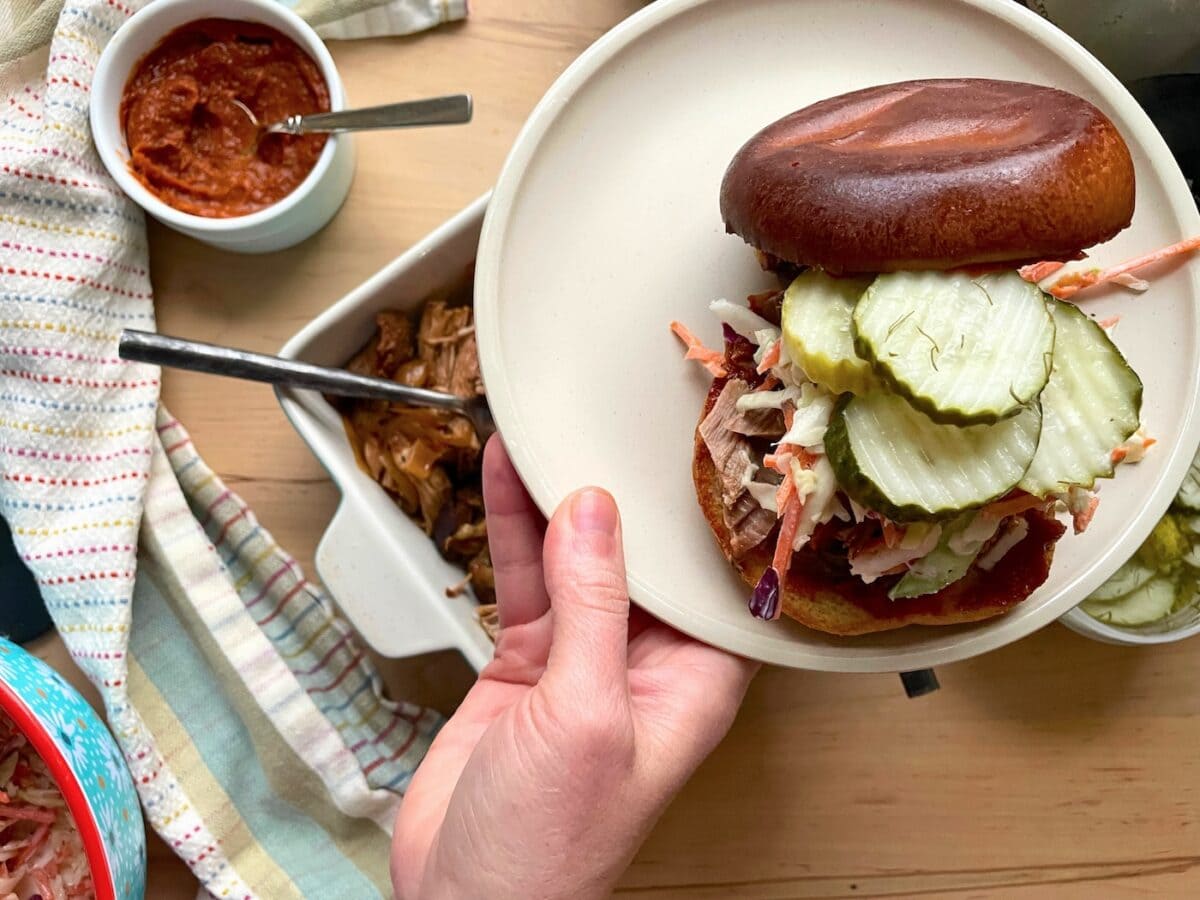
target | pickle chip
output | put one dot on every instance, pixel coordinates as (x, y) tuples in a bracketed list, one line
[(1166, 546)]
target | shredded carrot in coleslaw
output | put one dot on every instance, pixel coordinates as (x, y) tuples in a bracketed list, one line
[(41, 854), (1035, 272), (1012, 506), (28, 813), (770, 358), (1120, 453), (1082, 519), (781, 461), (1074, 282), (778, 461), (784, 493), (713, 360), (787, 536)]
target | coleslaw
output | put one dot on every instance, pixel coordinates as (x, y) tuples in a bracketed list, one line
[(41, 853)]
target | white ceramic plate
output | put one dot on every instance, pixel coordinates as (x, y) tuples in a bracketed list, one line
[(604, 226)]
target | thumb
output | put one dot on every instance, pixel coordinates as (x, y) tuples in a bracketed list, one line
[(585, 577)]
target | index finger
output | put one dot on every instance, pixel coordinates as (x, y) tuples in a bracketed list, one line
[(515, 530)]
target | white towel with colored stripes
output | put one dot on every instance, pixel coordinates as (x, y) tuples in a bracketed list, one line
[(256, 730)]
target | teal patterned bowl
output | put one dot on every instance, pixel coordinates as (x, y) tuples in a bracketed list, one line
[(85, 761)]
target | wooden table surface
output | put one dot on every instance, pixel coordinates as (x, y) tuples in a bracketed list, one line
[(1057, 767)]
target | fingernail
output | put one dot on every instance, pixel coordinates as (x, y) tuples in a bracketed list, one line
[(594, 510)]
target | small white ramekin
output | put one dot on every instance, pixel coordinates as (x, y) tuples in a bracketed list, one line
[(298, 215), (1177, 627)]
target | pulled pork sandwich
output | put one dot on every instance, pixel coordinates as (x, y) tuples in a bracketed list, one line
[(888, 439)]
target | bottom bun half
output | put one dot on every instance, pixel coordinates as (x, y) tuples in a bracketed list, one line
[(819, 597)]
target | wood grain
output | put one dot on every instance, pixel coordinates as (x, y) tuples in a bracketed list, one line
[(1056, 768), (1056, 763)]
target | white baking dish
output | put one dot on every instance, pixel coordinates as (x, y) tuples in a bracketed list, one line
[(382, 570)]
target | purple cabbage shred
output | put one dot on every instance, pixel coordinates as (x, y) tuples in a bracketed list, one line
[(735, 341), (764, 602)]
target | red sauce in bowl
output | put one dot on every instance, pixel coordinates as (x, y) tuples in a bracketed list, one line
[(189, 142)]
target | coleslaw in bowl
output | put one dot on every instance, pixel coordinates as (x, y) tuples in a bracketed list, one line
[(41, 852), (69, 790)]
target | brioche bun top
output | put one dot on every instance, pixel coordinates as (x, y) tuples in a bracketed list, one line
[(932, 174)]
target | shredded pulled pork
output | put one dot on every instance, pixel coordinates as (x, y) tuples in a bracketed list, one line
[(748, 522), (489, 619), (427, 459), (753, 422), (41, 854)]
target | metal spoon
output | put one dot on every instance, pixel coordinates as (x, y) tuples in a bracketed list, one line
[(453, 109), (176, 353)]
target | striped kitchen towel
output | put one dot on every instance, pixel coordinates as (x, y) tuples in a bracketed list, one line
[(28, 25), (262, 747), (282, 783)]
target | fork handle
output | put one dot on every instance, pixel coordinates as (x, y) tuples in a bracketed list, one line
[(195, 356)]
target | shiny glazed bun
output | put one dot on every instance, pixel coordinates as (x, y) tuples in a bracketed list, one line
[(931, 175)]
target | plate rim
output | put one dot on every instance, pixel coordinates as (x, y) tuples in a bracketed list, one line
[(781, 651)]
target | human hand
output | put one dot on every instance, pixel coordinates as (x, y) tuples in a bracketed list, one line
[(587, 722)]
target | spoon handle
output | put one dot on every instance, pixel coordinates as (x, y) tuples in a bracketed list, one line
[(177, 353), (450, 110)]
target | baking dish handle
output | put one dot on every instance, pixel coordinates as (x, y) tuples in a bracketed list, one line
[(398, 613)]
